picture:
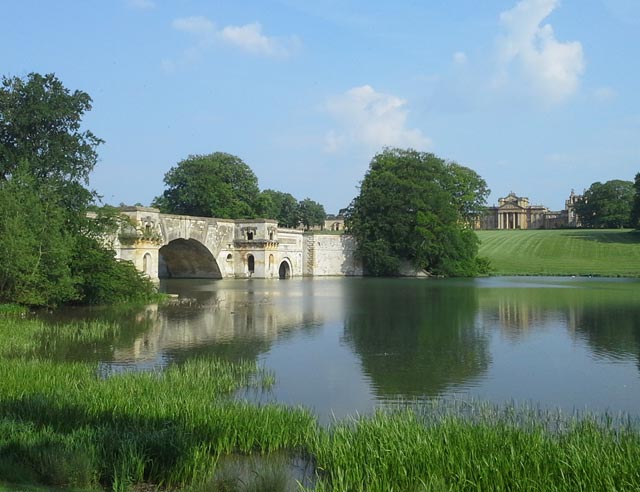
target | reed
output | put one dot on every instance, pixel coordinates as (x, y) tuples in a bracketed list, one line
[(493, 449), (166, 428), (16, 310), (63, 425)]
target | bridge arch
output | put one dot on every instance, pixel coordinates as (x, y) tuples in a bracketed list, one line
[(187, 258), (284, 271)]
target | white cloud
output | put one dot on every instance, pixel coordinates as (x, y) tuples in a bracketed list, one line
[(141, 4), (460, 58), (248, 38), (373, 119), (197, 25), (551, 67), (251, 39)]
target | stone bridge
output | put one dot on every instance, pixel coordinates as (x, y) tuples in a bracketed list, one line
[(180, 246)]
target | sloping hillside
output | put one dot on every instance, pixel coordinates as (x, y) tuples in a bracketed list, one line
[(562, 252)]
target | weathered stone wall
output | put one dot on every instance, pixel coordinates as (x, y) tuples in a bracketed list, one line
[(201, 247), (327, 254)]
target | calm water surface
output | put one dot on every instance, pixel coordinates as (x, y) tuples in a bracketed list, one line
[(341, 346)]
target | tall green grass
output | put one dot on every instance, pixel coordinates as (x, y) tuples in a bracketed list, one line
[(63, 425), (497, 449), (562, 252)]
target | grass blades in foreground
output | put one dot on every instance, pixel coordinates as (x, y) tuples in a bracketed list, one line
[(596, 252), (496, 449), (62, 425)]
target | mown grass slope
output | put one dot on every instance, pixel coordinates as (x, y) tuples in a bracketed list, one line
[(562, 252)]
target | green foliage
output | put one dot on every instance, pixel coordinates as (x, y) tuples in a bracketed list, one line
[(65, 425), (280, 206), (635, 211), (49, 249), (311, 213), (607, 205), (214, 185), (36, 247), (12, 310), (40, 123), (417, 207), (104, 280)]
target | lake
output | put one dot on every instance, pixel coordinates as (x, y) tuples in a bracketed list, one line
[(343, 346)]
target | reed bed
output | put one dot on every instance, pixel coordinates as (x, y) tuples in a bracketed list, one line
[(495, 449), (63, 425)]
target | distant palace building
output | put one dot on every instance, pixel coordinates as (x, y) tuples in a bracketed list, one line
[(514, 212)]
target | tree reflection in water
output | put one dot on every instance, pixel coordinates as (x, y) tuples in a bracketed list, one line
[(417, 337)]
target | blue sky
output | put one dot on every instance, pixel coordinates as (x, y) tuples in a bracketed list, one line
[(537, 96)]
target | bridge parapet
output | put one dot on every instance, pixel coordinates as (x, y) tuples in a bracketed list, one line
[(164, 245)]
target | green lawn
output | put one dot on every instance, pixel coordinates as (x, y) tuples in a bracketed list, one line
[(562, 252)]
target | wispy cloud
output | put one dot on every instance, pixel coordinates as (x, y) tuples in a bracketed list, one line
[(373, 119), (196, 25), (248, 38), (604, 94), (251, 39), (141, 4), (460, 58), (551, 67)]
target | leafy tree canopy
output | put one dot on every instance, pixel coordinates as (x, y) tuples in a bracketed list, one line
[(50, 252), (40, 124), (607, 205), (214, 185), (635, 212), (311, 213), (416, 207), (280, 206)]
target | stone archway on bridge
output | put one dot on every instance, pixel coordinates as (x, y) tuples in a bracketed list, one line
[(187, 258), (284, 271)]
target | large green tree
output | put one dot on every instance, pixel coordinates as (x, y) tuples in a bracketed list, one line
[(280, 206), (607, 205), (311, 213), (635, 211), (415, 207), (213, 185), (40, 123), (36, 246), (50, 251)]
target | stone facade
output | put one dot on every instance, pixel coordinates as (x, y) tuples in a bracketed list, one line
[(334, 223), (177, 246), (515, 212)]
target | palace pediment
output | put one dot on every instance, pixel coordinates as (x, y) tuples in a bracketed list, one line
[(510, 207)]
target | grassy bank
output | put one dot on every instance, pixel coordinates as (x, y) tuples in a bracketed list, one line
[(562, 252), (63, 425)]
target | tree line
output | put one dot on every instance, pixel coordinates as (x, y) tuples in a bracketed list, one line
[(614, 204), (221, 185)]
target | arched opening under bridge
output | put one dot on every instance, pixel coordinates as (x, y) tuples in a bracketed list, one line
[(285, 270), (187, 258)]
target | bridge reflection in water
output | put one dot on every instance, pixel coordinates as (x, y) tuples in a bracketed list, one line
[(343, 345)]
